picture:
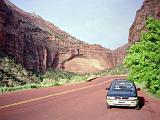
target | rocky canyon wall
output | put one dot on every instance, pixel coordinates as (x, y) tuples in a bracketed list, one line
[(39, 45), (149, 8)]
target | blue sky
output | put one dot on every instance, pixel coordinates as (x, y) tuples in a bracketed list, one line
[(104, 22)]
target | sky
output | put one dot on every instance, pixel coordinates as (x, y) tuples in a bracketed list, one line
[(104, 22)]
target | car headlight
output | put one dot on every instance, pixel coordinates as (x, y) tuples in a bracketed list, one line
[(110, 98), (132, 98)]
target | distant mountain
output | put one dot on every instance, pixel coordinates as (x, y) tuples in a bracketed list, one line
[(120, 53), (39, 45)]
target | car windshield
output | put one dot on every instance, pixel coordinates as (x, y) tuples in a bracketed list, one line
[(127, 86)]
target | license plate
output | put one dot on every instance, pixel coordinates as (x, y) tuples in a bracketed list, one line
[(121, 102)]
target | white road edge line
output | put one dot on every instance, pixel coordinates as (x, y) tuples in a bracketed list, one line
[(52, 95)]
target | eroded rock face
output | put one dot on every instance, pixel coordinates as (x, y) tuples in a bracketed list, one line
[(25, 41), (38, 44), (120, 53), (149, 8), (91, 58)]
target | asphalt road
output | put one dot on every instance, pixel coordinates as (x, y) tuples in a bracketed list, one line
[(83, 101)]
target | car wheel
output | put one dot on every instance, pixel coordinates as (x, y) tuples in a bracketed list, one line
[(137, 107), (108, 106)]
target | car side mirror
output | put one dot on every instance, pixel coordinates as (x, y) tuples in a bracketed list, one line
[(138, 89), (107, 88)]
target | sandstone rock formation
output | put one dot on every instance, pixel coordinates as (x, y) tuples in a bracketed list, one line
[(149, 8), (39, 45), (120, 53)]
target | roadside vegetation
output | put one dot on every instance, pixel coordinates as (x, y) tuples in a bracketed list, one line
[(14, 76), (119, 70), (143, 58)]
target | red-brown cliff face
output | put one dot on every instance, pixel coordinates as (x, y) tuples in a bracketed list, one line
[(38, 44), (149, 8), (91, 58), (120, 53)]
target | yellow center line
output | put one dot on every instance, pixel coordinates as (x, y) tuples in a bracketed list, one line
[(52, 95)]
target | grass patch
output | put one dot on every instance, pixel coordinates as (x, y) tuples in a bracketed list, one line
[(49, 79)]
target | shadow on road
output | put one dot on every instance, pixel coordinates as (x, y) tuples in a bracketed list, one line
[(90, 80), (142, 101)]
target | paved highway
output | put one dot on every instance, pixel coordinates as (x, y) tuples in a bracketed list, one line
[(82, 101)]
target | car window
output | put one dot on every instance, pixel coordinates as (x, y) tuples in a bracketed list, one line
[(122, 86)]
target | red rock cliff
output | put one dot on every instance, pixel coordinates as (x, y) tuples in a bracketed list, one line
[(149, 8), (120, 53), (38, 44)]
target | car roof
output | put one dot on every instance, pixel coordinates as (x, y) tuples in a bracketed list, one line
[(121, 81)]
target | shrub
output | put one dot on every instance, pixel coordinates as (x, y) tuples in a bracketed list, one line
[(143, 58), (13, 74)]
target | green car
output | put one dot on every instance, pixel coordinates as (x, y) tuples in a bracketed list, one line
[(122, 93)]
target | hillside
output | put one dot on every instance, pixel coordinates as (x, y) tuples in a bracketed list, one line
[(40, 45)]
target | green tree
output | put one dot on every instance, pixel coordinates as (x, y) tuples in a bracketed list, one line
[(143, 58)]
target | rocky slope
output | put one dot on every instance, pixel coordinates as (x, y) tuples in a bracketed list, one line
[(39, 45), (149, 8)]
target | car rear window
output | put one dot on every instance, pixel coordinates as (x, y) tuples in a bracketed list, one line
[(122, 86)]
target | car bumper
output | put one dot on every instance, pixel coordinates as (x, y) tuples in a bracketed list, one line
[(128, 103)]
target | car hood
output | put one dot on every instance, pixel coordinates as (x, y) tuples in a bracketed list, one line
[(122, 93)]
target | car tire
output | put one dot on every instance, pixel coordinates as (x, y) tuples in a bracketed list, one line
[(108, 106), (137, 107)]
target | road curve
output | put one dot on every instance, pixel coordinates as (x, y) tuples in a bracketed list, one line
[(82, 101)]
